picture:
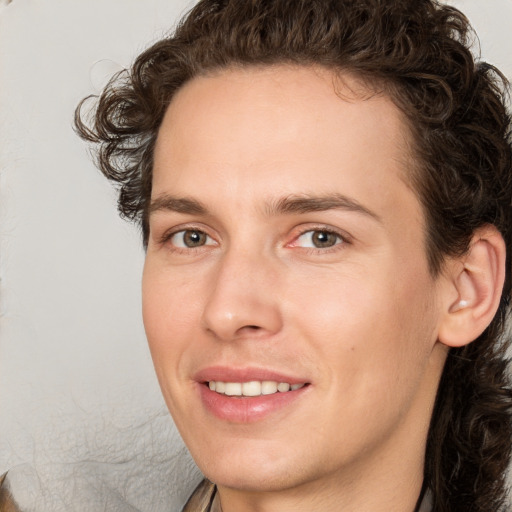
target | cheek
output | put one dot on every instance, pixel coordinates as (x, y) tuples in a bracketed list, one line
[(167, 315), (167, 311), (372, 330)]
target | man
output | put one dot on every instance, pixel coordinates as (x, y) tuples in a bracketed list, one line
[(325, 194)]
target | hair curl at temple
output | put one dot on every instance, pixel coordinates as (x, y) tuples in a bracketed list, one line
[(416, 52)]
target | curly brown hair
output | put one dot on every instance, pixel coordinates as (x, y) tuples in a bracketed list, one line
[(418, 53)]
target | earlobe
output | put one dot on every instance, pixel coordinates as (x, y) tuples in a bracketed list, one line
[(476, 280)]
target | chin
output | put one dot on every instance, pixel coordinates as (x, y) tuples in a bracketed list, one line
[(250, 480), (251, 470)]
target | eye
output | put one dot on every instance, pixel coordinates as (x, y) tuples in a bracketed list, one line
[(190, 238), (318, 239)]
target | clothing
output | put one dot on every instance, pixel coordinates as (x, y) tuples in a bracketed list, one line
[(206, 499), (203, 499)]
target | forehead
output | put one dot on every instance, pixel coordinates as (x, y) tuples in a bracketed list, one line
[(298, 102), (282, 130)]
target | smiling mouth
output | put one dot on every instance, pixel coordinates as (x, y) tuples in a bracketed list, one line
[(252, 388)]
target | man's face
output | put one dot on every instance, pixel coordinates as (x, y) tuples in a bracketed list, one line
[(286, 247)]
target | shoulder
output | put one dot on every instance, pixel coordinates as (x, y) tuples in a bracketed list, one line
[(7, 503)]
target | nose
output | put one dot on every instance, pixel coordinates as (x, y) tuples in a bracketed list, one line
[(242, 301)]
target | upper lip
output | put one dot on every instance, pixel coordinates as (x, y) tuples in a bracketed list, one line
[(232, 374)]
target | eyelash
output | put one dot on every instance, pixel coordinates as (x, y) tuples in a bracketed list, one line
[(343, 240), (168, 235)]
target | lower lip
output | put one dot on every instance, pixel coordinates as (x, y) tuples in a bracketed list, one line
[(246, 409)]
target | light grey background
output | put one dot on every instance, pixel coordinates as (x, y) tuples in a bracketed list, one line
[(82, 423)]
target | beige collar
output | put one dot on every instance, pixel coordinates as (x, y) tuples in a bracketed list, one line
[(206, 499)]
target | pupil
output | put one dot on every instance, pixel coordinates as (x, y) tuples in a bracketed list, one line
[(324, 239), (194, 238)]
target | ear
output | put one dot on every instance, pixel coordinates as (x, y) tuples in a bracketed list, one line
[(475, 284)]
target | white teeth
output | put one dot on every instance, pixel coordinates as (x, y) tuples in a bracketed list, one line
[(252, 388), (233, 389), (268, 387)]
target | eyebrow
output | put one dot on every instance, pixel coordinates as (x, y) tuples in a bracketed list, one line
[(308, 203), (177, 204), (285, 205)]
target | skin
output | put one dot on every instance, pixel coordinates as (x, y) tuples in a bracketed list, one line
[(357, 320)]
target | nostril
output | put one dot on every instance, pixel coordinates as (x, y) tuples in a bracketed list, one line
[(248, 329)]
